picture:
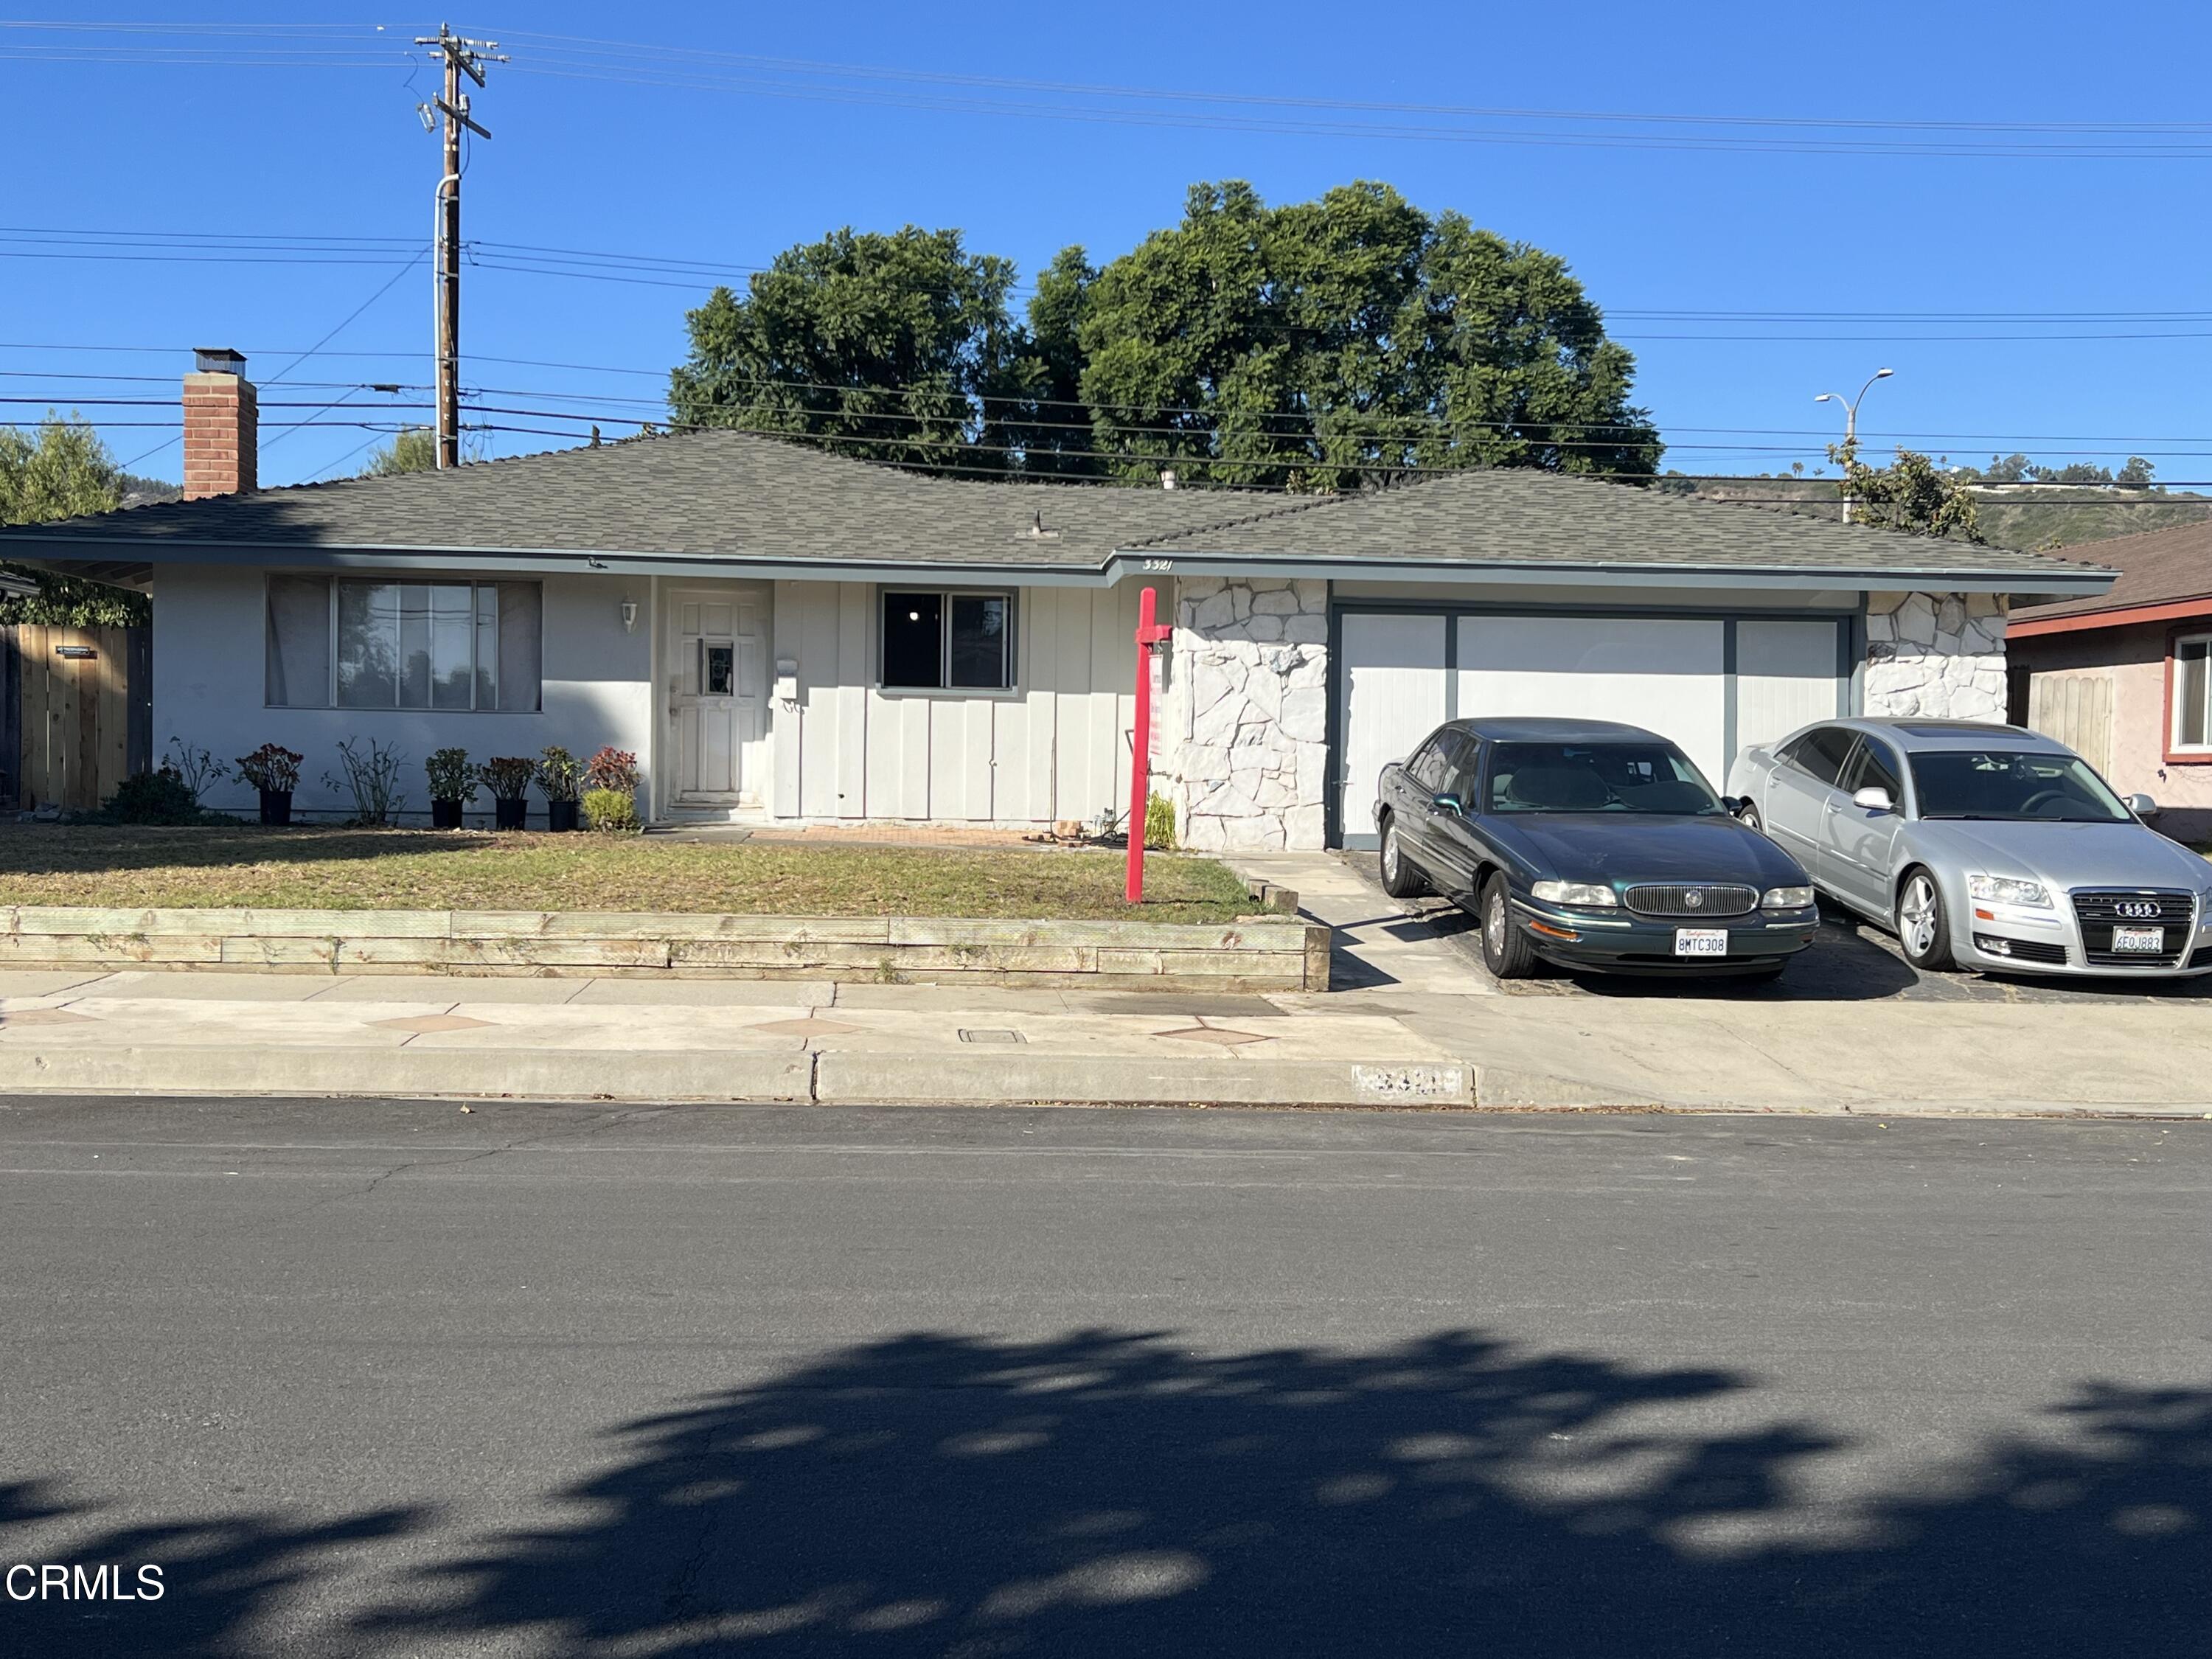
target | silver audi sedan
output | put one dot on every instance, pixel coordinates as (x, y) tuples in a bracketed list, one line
[(1983, 847)]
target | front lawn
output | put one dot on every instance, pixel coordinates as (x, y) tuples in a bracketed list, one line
[(425, 870)]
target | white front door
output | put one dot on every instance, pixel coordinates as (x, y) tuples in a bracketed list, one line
[(718, 694)]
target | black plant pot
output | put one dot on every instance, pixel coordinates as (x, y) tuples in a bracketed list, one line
[(445, 814), (510, 814), (561, 815), (277, 806)]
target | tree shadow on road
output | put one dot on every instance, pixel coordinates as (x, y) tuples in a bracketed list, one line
[(1112, 1493)]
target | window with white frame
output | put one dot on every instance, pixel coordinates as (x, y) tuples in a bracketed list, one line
[(947, 641), (379, 643), (2192, 691)]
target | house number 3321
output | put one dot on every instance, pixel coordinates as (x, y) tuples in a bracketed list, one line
[(1159, 564)]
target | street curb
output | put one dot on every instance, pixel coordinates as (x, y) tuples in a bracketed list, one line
[(837, 1077), (1502, 1089)]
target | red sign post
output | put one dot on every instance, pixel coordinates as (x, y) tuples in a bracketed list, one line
[(1152, 636)]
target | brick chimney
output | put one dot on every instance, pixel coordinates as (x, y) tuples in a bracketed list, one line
[(222, 426)]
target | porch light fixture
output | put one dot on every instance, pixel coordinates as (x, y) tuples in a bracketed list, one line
[(629, 615)]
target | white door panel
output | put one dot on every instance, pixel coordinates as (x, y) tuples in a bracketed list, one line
[(718, 694), (1392, 691), (1661, 673)]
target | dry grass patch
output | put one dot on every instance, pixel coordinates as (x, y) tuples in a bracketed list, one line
[(429, 870)]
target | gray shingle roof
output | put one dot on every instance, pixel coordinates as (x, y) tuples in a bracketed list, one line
[(732, 493), (1518, 516), (740, 496)]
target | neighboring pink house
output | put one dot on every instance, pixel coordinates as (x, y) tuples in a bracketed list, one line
[(2126, 677)]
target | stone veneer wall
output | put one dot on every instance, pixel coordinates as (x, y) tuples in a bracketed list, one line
[(1937, 654), (1241, 732)]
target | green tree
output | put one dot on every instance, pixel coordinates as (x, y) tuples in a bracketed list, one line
[(1042, 411), (412, 449), (1910, 495), (62, 471), (1326, 343), (888, 344)]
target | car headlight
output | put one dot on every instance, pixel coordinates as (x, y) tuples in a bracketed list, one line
[(1786, 898), (1575, 892), (2008, 890)]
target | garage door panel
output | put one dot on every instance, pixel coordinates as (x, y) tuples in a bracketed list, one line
[(1666, 675), (1392, 691), (1786, 675)]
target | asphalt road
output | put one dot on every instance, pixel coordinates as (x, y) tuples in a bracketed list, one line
[(371, 1378)]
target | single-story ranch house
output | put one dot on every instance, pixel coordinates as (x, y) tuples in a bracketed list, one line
[(2125, 676), (784, 634)]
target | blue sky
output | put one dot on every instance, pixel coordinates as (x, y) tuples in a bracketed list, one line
[(723, 160)]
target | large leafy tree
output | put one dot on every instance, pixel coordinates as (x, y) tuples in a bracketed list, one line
[(897, 348), (1328, 343), (62, 471), (412, 449)]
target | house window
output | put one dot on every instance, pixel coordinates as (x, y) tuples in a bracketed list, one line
[(937, 640), (2192, 691), (382, 644)]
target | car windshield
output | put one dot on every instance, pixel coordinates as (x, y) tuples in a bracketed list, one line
[(1598, 777), (2001, 783)]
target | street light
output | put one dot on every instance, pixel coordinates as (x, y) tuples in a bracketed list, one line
[(1851, 422)]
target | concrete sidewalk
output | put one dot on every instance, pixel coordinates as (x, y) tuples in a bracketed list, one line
[(833, 1044)]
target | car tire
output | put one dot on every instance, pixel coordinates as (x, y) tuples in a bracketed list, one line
[(1402, 877), (1505, 949), (1923, 927), (1748, 816)]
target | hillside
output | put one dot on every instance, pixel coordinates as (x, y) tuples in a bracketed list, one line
[(2032, 516)]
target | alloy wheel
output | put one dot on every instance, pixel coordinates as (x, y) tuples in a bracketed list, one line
[(1916, 917), (1493, 924), (1390, 851)]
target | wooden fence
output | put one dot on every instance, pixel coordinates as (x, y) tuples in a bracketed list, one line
[(76, 714)]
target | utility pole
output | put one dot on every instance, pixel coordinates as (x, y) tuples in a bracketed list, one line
[(459, 55)]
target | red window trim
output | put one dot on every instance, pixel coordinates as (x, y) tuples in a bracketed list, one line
[(2186, 756)]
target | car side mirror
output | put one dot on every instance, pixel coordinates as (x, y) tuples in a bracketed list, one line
[(1446, 803), (1873, 799), (2142, 805)]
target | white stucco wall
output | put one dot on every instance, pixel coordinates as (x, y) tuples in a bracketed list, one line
[(1936, 654), (1241, 741), (210, 689), (1054, 745)]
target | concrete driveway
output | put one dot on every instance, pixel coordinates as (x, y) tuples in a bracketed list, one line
[(1847, 961)]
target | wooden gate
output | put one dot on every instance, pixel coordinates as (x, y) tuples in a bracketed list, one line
[(78, 715)]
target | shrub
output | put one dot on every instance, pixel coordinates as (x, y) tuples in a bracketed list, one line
[(161, 797), (611, 811), (1160, 823), (373, 779), (195, 769), (271, 767), (558, 775), (612, 769), (450, 775), (508, 777)]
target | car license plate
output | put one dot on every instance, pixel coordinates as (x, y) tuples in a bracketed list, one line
[(2139, 939), (1701, 941)]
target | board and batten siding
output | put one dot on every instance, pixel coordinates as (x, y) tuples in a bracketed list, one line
[(1057, 745)]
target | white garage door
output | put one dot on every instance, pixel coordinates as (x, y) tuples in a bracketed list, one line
[(1392, 690), (1400, 676), (1665, 676)]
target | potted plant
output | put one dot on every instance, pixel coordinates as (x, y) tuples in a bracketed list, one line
[(274, 771), (561, 778), (507, 777), (453, 785)]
